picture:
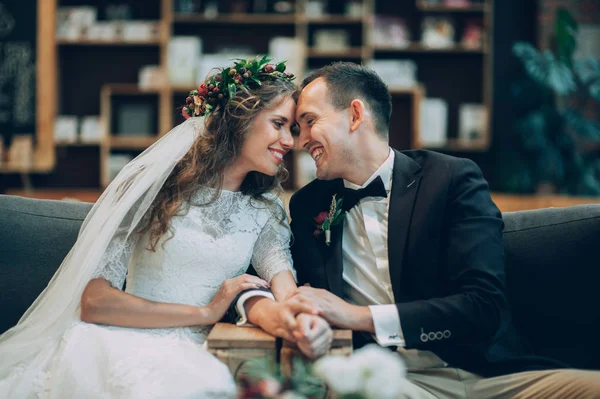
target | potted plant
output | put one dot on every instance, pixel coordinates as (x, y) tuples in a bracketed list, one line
[(557, 130)]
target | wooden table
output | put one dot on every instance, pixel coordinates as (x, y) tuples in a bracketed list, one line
[(235, 345)]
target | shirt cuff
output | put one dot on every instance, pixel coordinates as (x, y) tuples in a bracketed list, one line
[(388, 331), (239, 306)]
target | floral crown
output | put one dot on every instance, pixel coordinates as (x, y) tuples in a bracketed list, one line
[(221, 87)]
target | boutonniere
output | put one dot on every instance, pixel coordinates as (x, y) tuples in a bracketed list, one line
[(325, 220)]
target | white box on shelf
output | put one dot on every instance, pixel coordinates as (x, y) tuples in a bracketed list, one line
[(396, 73), (434, 122), (473, 122), (73, 22), (140, 31), (354, 9), (103, 31), (390, 31), (91, 129), (182, 59), (65, 129), (315, 8), (332, 39), (151, 77), (290, 49)]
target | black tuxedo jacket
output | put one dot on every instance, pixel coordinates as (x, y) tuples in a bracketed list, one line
[(446, 260)]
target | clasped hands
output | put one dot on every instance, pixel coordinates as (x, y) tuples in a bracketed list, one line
[(306, 317)]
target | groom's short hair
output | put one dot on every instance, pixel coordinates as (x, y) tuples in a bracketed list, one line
[(347, 81)]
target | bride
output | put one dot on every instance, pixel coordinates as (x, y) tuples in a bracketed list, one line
[(178, 227)]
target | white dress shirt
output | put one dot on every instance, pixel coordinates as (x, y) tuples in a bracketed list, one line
[(366, 269)]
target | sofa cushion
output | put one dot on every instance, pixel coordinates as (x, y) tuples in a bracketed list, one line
[(35, 236), (553, 277)]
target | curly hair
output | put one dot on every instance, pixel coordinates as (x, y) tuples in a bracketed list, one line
[(213, 151)]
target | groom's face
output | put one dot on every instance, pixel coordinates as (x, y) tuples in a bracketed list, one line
[(324, 131)]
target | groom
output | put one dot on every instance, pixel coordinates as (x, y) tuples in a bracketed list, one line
[(417, 265)]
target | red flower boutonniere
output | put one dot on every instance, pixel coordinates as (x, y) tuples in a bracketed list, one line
[(325, 220)]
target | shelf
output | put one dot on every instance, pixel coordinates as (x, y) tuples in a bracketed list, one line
[(411, 91), (355, 52), (131, 142), (78, 144), (419, 48), (8, 168), (332, 20), (131, 89), (249, 19), (469, 9), (86, 42)]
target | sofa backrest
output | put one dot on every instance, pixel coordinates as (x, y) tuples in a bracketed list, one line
[(35, 236), (553, 281), (552, 270)]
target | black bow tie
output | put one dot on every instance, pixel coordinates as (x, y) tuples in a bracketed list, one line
[(352, 197)]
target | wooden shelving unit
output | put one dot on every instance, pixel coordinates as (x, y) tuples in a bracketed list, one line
[(474, 8), (356, 52), (249, 19), (419, 48), (67, 42), (434, 70), (131, 142), (332, 20)]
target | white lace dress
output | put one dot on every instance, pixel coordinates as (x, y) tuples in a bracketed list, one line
[(211, 244)]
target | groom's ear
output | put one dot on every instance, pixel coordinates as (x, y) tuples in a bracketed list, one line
[(357, 114)]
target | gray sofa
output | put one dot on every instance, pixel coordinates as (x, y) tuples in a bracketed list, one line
[(552, 270)]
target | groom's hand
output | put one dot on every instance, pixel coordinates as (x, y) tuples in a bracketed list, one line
[(313, 335), (336, 311), (279, 318)]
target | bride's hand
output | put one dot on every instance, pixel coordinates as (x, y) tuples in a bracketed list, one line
[(217, 308)]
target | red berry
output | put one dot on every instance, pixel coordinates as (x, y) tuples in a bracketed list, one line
[(184, 113), (202, 90), (270, 68)]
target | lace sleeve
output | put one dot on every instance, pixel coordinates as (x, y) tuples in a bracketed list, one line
[(272, 248), (114, 262)]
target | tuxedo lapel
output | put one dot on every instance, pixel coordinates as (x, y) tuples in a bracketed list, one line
[(405, 184), (333, 252)]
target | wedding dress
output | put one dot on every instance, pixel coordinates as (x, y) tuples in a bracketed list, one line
[(211, 243)]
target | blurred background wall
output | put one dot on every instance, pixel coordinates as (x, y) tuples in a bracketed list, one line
[(86, 85)]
